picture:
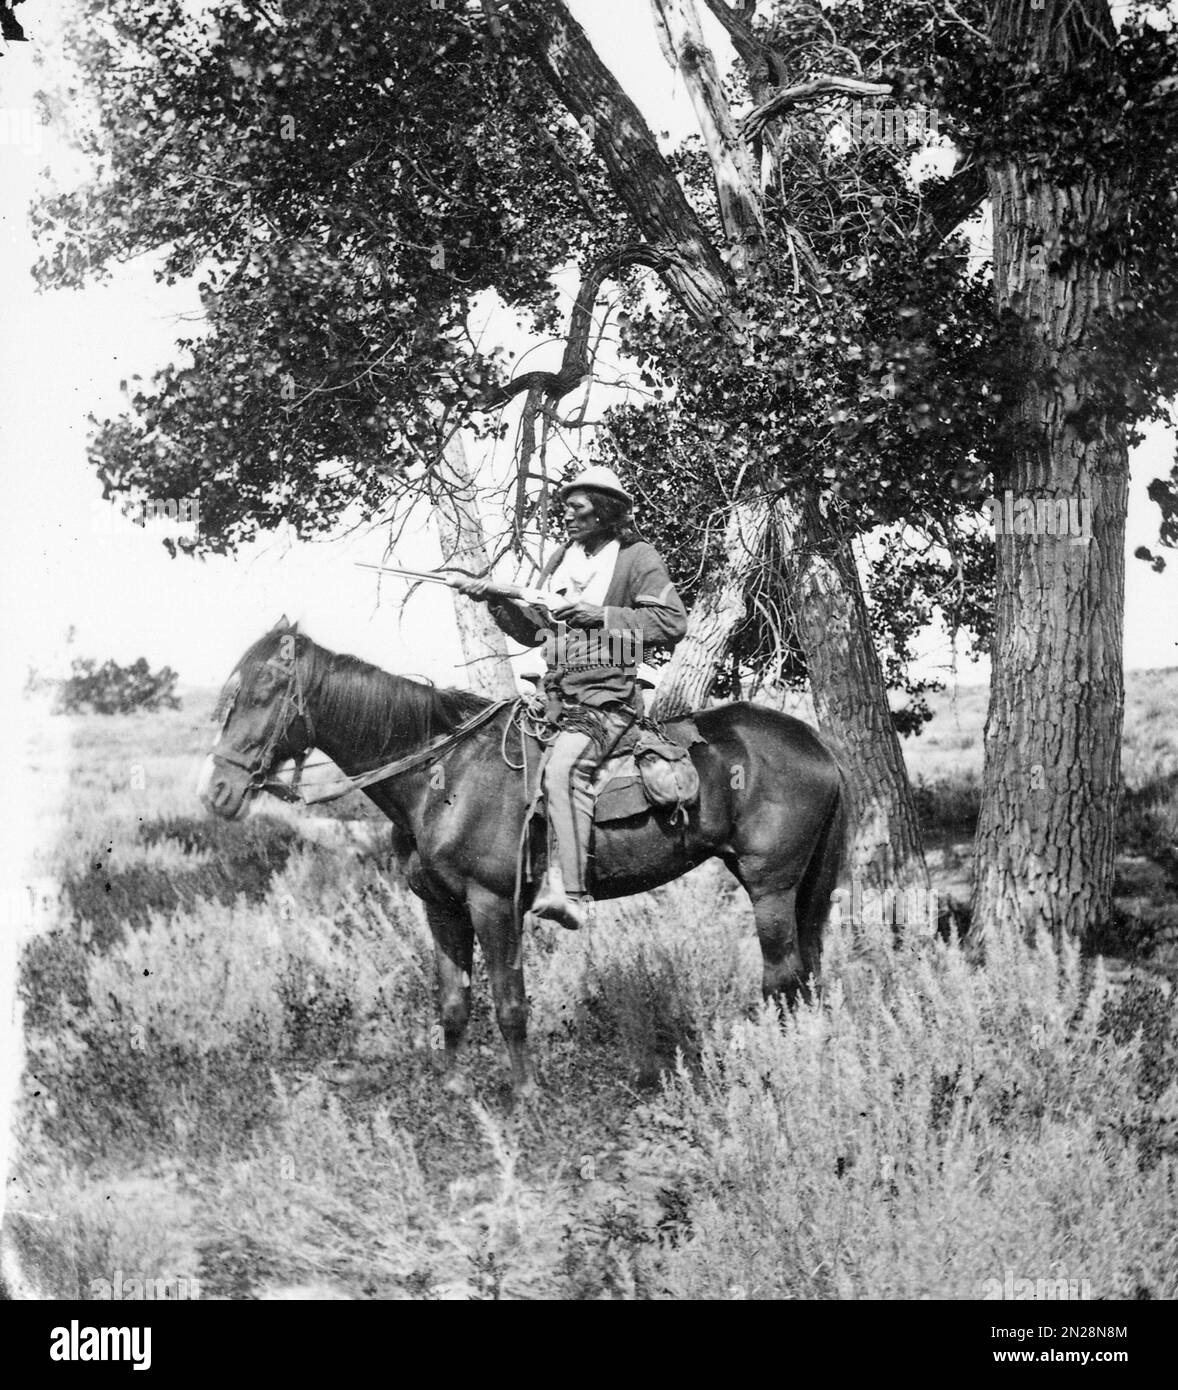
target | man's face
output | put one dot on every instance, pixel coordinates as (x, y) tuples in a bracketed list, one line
[(580, 519)]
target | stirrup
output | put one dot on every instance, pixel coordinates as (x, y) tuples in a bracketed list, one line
[(554, 904)]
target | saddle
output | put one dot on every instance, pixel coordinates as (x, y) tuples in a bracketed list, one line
[(658, 756), (653, 771)]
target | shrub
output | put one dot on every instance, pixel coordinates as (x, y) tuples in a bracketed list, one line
[(925, 1127), (227, 860), (114, 689)]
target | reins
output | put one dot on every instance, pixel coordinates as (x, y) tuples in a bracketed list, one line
[(293, 791), (348, 782), (256, 768)]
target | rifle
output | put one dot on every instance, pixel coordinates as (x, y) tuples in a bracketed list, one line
[(521, 593)]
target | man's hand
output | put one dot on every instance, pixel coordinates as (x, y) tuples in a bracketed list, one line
[(580, 614), (474, 588)]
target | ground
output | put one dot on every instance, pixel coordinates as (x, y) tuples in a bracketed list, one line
[(230, 1081)]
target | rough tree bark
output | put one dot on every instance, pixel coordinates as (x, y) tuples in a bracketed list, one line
[(1044, 854), (851, 704), (1045, 848), (688, 677)]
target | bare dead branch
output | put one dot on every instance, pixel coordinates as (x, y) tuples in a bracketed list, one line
[(576, 361), (785, 97), (765, 65)]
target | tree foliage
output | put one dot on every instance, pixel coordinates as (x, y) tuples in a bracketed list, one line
[(345, 182), (349, 183)]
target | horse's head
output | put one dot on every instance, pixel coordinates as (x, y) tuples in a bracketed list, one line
[(264, 720)]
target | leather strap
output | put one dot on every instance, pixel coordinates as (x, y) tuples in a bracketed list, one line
[(349, 783)]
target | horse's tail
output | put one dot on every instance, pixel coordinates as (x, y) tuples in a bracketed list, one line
[(818, 882)]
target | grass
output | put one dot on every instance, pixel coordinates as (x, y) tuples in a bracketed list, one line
[(230, 1078)]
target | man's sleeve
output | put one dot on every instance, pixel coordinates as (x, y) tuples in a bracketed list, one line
[(655, 610), (520, 621)]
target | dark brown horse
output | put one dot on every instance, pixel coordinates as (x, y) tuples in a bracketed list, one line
[(771, 806)]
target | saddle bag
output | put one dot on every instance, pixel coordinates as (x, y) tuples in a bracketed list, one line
[(668, 775)]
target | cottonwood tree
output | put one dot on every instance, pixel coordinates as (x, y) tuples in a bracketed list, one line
[(1076, 125), (344, 188), (708, 269), (1067, 125)]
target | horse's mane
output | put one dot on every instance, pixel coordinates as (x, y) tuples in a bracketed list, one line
[(376, 713)]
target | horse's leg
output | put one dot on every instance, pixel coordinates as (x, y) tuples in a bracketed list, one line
[(784, 971), (815, 890), (502, 948), (454, 960)]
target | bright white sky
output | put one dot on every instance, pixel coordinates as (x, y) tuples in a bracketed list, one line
[(62, 356)]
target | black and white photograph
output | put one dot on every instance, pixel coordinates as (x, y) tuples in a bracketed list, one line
[(590, 610)]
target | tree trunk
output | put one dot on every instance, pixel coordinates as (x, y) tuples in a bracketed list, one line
[(1044, 854), (688, 676), (460, 526), (851, 705)]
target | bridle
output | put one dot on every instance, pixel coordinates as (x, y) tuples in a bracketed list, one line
[(294, 706)]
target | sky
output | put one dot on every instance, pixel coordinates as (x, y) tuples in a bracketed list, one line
[(67, 562)]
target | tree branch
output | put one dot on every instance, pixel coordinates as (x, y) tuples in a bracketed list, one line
[(785, 97), (575, 362), (732, 163), (692, 268), (951, 203), (765, 65)]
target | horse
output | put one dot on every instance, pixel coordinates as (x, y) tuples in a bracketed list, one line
[(771, 806)]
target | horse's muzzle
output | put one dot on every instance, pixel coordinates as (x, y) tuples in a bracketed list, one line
[(222, 792)]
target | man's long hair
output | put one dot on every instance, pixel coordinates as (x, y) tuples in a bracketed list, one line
[(614, 513)]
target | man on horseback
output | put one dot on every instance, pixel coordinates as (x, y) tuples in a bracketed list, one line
[(617, 603)]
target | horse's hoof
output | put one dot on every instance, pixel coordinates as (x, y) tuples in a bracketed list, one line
[(526, 1090)]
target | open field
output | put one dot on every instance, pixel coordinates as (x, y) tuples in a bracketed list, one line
[(230, 1080)]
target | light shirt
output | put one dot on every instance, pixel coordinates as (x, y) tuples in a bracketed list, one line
[(584, 577)]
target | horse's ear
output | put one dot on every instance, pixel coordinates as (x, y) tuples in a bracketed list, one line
[(281, 625), (294, 627)]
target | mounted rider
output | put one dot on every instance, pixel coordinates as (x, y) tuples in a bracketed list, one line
[(618, 602)]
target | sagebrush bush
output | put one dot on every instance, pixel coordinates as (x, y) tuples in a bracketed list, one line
[(926, 1126), (102, 1226)]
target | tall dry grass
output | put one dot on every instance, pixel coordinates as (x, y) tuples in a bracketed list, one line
[(233, 1080)]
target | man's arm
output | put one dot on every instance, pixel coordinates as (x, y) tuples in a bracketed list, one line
[(656, 610), (521, 621)]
